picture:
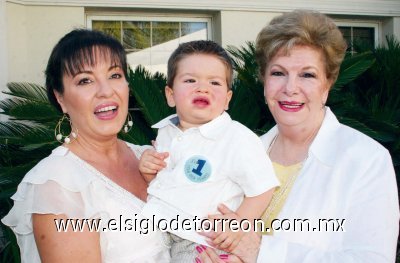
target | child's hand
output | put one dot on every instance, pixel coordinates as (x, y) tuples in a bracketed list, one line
[(247, 249), (150, 163), (227, 240)]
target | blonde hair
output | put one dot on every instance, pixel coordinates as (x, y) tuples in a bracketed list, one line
[(302, 27)]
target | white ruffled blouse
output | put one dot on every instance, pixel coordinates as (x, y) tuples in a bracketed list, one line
[(62, 183)]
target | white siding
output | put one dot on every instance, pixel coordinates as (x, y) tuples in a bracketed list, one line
[(34, 26), (3, 47), (32, 31)]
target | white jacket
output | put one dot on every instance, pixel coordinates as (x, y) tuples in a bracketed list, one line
[(347, 176)]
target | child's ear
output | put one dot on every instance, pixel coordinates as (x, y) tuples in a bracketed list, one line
[(169, 94), (228, 99), (60, 100)]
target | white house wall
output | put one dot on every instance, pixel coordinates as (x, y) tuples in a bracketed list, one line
[(351, 7), (239, 27), (32, 31), (3, 47), (33, 27), (392, 26)]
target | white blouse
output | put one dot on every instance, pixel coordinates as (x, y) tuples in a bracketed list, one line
[(349, 178), (62, 183)]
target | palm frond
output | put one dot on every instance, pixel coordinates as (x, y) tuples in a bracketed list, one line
[(241, 107), (22, 109), (352, 67), (24, 90), (148, 95), (12, 175), (28, 136), (9, 253), (17, 129)]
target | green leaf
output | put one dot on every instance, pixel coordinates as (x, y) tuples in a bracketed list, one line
[(149, 95), (352, 67), (30, 91)]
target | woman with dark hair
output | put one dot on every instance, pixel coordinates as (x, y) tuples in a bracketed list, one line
[(83, 202), (338, 199)]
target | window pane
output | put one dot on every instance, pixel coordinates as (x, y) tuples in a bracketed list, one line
[(364, 36), (192, 27), (150, 43), (112, 28), (164, 32), (136, 35), (358, 38)]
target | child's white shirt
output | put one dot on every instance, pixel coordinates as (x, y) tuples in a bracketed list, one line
[(218, 162)]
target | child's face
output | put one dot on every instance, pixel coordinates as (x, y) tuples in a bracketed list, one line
[(200, 90)]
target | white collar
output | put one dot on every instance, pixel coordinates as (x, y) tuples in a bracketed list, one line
[(211, 130), (324, 147)]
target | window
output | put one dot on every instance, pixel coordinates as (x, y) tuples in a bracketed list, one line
[(150, 41), (359, 34)]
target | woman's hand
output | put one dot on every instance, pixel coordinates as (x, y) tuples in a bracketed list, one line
[(208, 255), (150, 163), (245, 251)]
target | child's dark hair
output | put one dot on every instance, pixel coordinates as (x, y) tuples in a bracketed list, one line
[(76, 49), (207, 47)]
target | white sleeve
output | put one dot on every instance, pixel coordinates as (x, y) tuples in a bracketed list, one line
[(372, 223), (56, 185), (254, 171)]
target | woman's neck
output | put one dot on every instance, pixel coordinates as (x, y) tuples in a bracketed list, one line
[(91, 149), (292, 142)]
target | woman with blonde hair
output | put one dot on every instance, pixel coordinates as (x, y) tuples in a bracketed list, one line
[(338, 199)]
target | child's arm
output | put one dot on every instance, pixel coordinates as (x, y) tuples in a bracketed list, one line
[(250, 209), (253, 207), (150, 163)]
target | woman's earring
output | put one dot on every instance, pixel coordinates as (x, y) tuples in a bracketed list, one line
[(62, 138), (129, 123)]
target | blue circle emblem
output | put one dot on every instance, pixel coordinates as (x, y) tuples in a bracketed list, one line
[(197, 169)]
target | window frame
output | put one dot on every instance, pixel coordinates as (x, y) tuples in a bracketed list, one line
[(152, 18), (376, 25)]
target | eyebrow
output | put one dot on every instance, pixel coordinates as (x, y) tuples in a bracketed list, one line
[(195, 75), (90, 72), (303, 68), (310, 67), (114, 67)]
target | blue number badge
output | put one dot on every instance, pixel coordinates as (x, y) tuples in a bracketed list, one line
[(197, 169)]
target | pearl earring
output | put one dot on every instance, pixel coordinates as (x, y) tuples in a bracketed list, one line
[(62, 138), (129, 123)]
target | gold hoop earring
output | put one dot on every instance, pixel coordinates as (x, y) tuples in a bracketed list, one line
[(61, 138), (129, 123)]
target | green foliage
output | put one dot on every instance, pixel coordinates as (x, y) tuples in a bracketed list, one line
[(371, 103), (366, 96), (247, 105), (149, 101)]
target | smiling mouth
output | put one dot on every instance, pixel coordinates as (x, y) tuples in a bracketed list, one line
[(291, 105), (105, 110)]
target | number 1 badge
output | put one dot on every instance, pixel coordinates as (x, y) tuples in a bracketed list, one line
[(197, 169)]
